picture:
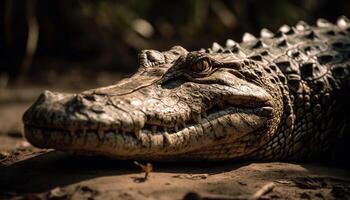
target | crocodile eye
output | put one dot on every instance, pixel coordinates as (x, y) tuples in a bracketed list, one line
[(202, 66)]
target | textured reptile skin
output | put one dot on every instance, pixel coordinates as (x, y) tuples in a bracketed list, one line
[(281, 96)]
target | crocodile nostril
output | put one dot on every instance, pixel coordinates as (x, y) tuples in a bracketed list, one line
[(78, 98), (90, 97)]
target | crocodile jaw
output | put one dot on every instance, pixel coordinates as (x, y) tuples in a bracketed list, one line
[(126, 127), (153, 146)]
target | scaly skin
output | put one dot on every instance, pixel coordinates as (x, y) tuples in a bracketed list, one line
[(281, 96)]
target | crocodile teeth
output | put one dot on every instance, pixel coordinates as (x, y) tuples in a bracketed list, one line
[(266, 111), (154, 129), (197, 117), (176, 128), (166, 136), (138, 134)]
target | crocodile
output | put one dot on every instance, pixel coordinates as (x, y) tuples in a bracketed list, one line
[(279, 96)]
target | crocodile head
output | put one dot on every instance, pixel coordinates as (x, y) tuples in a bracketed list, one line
[(179, 105)]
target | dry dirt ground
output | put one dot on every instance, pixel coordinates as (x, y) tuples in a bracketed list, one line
[(30, 173)]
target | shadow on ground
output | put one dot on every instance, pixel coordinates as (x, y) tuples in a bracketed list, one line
[(40, 172), (58, 169)]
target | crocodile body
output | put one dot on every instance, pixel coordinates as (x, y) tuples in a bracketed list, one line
[(281, 96)]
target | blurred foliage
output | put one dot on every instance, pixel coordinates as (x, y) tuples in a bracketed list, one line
[(106, 34)]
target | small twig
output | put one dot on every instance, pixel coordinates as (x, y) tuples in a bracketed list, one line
[(257, 195), (264, 190), (146, 168)]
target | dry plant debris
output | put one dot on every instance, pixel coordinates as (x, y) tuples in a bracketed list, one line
[(146, 168)]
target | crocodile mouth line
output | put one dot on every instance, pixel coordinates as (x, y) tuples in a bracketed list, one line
[(150, 133)]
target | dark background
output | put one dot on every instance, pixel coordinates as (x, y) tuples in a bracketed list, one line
[(79, 39)]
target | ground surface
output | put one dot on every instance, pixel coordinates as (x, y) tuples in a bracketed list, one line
[(30, 173)]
